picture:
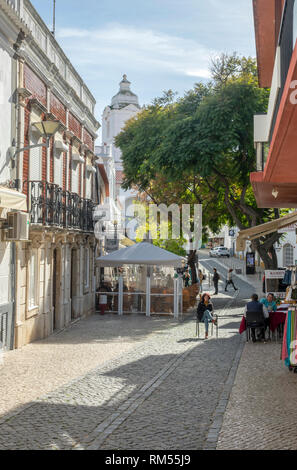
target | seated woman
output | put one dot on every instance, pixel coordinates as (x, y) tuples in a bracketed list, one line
[(269, 303), (271, 306), (203, 312)]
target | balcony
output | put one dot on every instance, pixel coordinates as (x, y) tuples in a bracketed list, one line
[(51, 206)]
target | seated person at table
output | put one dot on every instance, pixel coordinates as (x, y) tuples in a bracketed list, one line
[(269, 303), (203, 312), (256, 306)]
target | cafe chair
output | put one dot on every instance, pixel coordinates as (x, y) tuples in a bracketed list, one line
[(254, 320), (211, 325)]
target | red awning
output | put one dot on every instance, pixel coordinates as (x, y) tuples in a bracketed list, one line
[(280, 171), (267, 19)]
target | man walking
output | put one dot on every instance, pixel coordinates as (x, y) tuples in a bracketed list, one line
[(216, 278), (230, 280)]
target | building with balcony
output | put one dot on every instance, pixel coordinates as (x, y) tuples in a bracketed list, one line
[(55, 270), (274, 183)]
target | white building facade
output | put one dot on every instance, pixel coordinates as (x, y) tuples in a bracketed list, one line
[(124, 106), (49, 279)]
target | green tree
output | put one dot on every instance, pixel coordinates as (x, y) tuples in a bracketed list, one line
[(203, 145)]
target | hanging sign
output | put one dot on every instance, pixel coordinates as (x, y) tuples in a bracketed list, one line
[(274, 274)]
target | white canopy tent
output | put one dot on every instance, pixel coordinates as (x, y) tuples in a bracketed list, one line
[(141, 253), (144, 254)]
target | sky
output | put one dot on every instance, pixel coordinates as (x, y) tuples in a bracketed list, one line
[(159, 44)]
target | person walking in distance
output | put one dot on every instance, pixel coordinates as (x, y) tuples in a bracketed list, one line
[(230, 280), (201, 278), (216, 278)]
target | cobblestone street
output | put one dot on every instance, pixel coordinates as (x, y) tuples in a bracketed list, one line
[(159, 392), (149, 383), (261, 413)]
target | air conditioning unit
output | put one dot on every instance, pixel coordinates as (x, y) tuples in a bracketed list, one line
[(18, 226)]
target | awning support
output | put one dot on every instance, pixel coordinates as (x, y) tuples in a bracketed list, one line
[(268, 227)]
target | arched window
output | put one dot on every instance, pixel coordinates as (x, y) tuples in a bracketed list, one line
[(288, 254)]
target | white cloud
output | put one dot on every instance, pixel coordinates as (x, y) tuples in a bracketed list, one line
[(138, 49)]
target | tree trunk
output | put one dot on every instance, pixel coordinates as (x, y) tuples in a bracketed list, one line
[(192, 264), (268, 257)]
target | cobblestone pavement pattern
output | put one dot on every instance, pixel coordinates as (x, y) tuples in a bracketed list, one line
[(261, 413), (161, 393)]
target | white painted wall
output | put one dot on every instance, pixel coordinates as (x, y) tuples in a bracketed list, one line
[(4, 272), (113, 121), (5, 143), (288, 238), (5, 112)]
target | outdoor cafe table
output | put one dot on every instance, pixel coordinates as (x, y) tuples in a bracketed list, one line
[(275, 318)]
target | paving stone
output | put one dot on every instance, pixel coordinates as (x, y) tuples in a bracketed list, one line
[(165, 391)]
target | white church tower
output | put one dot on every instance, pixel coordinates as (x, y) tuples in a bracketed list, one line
[(124, 105)]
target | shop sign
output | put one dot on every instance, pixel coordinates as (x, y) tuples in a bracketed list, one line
[(274, 274)]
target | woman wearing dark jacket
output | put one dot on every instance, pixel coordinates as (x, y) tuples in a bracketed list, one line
[(203, 312)]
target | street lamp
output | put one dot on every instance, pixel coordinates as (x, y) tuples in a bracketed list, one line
[(47, 129)]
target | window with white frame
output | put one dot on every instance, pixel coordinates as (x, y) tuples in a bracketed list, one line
[(33, 278), (288, 254)]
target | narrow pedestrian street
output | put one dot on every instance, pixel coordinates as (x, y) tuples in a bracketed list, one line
[(148, 383), (147, 158)]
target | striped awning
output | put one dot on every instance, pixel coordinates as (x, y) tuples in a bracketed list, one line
[(264, 229)]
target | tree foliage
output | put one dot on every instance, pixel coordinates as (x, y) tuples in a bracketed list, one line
[(200, 148)]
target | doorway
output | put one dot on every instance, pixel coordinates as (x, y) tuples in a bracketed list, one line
[(72, 282), (57, 323), (55, 326)]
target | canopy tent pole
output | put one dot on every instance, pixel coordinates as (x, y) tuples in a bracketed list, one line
[(148, 292), (177, 296), (175, 302), (180, 295), (121, 290)]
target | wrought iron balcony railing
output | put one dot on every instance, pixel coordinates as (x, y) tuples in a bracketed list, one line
[(50, 205)]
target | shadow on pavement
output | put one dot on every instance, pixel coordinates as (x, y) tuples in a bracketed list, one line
[(68, 415)]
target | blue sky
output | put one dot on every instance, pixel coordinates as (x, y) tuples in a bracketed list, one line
[(159, 44)]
